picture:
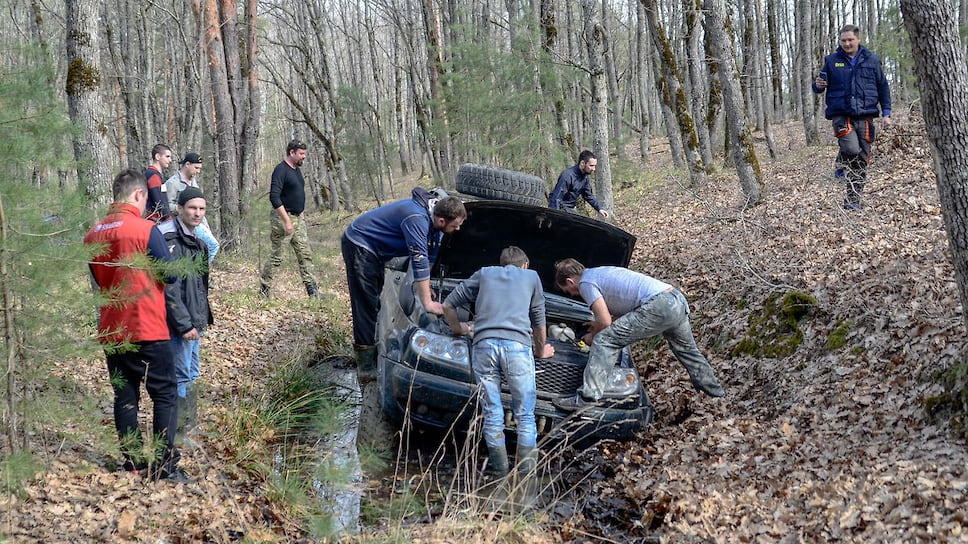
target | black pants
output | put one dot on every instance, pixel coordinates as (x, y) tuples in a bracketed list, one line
[(364, 276), (152, 362), (854, 135)]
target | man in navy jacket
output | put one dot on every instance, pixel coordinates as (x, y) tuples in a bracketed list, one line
[(857, 92), (573, 183)]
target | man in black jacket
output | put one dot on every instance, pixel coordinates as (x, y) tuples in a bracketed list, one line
[(186, 300)]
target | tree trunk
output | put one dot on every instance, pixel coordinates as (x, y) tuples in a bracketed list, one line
[(9, 338), (697, 77), (92, 149), (226, 143), (776, 66), (594, 38), (805, 68), (676, 95), (550, 32), (439, 144), (251, 110), (943, 81), (740, 138), (643, 49)]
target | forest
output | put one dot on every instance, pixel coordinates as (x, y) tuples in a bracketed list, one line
[(713, 150)]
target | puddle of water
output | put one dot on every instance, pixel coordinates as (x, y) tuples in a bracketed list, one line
[(339, 451)]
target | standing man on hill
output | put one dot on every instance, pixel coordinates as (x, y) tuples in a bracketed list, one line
[(157, 207), (413, 227), (573, 183), (857, 92), (185, 177), (287, 195), (132, 314), (187, 303)]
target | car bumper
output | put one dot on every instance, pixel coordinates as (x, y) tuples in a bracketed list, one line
[(435, 402)]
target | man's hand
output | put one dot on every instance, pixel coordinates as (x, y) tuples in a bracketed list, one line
[(588, 338), (191, 335), (547, 351), (434, 307), (603, 213), (885, 122), (820, 83), (289, 228)]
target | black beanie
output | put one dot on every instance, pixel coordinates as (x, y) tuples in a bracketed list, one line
[(188, 194)]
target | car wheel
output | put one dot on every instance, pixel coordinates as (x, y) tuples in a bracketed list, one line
[(375, 432), (500, 184)]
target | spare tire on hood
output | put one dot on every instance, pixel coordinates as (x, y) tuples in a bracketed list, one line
[(500, 184)]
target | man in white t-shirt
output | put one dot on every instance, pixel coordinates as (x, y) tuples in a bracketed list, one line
[(642, 307)]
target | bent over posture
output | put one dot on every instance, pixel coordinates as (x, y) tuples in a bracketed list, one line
[(509, 318), (643, 307)]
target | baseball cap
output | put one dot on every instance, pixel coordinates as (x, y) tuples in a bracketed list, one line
[(193, 158)]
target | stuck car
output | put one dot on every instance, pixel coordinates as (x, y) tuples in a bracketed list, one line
[(424, 372)]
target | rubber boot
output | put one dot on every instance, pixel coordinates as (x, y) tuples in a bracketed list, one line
[(497, 460), (187, 419), (365, 363), (703, 378), (526, 481)]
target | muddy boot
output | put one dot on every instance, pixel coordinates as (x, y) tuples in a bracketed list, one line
[(703, 378), (187, 419), (365, 363), (497, 460), (526, 480)]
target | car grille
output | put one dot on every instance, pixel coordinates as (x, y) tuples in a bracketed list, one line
[(555, 378)]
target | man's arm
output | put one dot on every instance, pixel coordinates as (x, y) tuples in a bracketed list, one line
[(884, 96), (589, 196), (454, 322), (601, 318), (542, 350), (275, 197), (820, 84), (554, 199)]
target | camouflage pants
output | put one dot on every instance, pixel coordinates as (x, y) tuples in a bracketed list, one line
[(299, 244)]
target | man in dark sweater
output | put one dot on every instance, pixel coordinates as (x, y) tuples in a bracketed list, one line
[(156, 209), (509, 320), (412, 227), (287, 195), (573, 183)]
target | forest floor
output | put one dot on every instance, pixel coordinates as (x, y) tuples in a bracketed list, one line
[(827, 443)]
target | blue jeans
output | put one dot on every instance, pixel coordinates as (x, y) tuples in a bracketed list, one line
[(187, 362), (204, 234), (492, 357)]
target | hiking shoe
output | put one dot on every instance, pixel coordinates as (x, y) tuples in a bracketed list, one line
[(313, 291), (131, 466), (853, 206), (840, 173), (571, 404), (264, 291)]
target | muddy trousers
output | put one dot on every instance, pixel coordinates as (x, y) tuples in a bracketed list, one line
[(151, 362), (854, 136), (667, 314), (364, 277)]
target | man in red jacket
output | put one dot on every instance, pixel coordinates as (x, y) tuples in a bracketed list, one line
[(133, 326)]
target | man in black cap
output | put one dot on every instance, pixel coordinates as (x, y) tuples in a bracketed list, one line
[(186, 300), (185, 177)]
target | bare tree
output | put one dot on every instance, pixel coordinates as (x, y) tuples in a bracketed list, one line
[(92, 150), (740, 137), (594, 40), (942, 72)]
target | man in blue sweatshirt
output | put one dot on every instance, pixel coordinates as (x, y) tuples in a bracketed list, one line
[(857, 92), (509, 319), (411, 227)]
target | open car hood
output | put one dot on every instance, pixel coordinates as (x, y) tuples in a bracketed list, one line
[(546, 235)]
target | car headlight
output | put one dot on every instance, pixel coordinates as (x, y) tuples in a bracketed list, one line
[(438, 346), (622, 382)]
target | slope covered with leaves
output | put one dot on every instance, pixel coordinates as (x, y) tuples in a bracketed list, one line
[(829, 442)]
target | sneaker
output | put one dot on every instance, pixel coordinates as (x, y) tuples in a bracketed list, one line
[(264, 291), (314, 291), (840, 173), (131, 466), (571, 404), (853, 206)]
